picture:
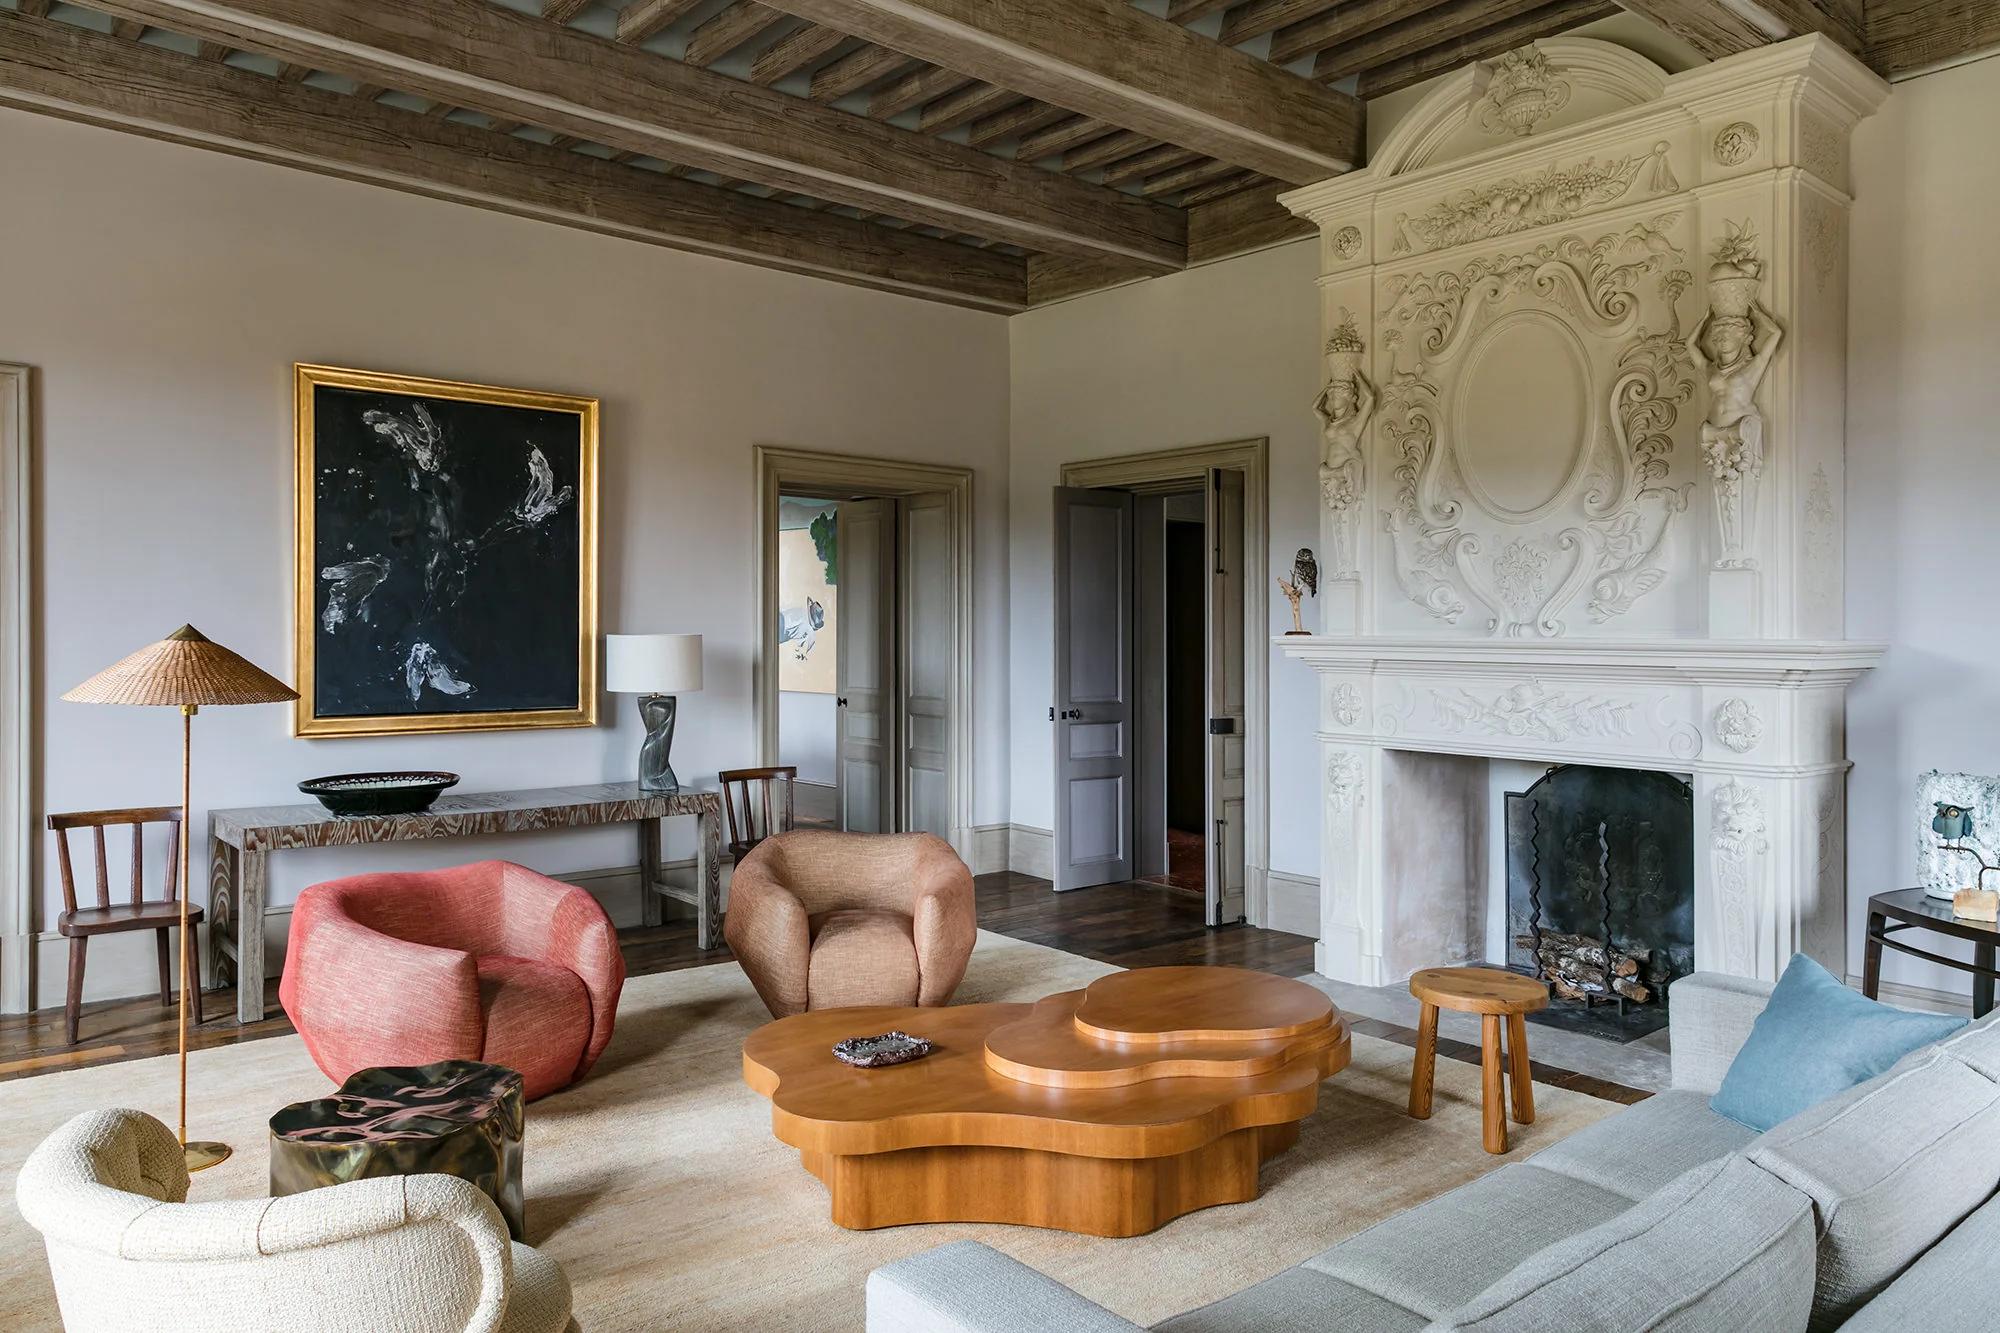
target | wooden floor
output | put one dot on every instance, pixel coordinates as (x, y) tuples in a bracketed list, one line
[(1126, 925)]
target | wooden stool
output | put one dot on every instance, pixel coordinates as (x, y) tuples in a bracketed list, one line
[(1493, 995)]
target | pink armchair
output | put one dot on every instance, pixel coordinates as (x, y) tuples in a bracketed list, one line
[(489, 961), (820, 920)]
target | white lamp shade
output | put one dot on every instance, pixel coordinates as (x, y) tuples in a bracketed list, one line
[(652, 663)]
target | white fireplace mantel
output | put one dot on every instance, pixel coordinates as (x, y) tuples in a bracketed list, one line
[(1582, 484)]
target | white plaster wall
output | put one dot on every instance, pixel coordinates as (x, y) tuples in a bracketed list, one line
[(1229, 351), (1923, 416), (163, 294)]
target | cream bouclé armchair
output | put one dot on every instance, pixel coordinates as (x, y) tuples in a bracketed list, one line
[(820, 920), (413, 1254)]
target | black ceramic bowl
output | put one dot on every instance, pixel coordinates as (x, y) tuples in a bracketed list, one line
[(378, 793)]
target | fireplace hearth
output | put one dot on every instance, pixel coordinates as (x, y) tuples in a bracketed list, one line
[(1600, 894)]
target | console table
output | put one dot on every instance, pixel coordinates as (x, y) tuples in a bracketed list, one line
[(242, 839)]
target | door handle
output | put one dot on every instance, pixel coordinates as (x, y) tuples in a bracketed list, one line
[(1074, 713), (840, 701)]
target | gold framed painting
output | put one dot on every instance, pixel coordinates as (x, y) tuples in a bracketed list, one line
[(446, 570)]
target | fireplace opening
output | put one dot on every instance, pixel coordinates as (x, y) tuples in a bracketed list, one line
[(1600, 895)]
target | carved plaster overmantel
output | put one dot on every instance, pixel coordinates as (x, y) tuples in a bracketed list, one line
[(1584, 329)]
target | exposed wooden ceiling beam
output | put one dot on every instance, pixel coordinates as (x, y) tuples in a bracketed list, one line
[(1245, 220), (125, 30), (793, 52), (1110, 148), (1060, 138), (1484, 44), (1906, 35), (1113, 61), (34, 8), (1148, 162), (1434, 26), (964, 106), (1258, 17), (735, 25), (1014, 122), (858, 69), (1337, 26), (562, 11), (1189, 11), (924, 84), (504, 64), (63, 70), (645, 19), (1222, 189), (1198, 172), (206, 50), (1719, 28)]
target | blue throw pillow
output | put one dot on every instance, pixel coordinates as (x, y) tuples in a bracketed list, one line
[(1814, 1040)]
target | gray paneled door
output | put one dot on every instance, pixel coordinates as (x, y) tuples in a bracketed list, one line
[(929, 660), (1093, 687), (1227, 821), (866, 676)]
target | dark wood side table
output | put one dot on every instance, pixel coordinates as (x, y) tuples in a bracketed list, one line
[(1914, 909), (243, 839)]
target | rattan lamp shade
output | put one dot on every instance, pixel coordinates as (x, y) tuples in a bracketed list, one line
[(183, 668)]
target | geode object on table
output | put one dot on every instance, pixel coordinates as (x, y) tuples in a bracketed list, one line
[(890, 1048), (455, 1117)]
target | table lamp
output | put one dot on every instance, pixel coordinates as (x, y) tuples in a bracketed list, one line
[(656, 667), (184, 670)]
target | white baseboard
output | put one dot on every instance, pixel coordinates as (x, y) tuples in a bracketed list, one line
[(989, 848), (125, 965), (1291, 903), (1920, 997), (1031, 851)]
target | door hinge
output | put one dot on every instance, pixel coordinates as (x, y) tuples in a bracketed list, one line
[(1222, 726)]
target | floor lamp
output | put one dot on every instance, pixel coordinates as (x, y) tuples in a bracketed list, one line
[(184, 671)]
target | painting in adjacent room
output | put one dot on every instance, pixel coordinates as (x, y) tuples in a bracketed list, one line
[(808, 556), (447, 569)]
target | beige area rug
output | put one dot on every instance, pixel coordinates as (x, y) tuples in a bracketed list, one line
[(658, 1186)]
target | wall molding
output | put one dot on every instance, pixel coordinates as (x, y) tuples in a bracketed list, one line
[(989, 848), (778, 469), (19, 889)]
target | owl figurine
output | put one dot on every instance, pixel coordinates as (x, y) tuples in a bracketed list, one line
[(1305, 571), (1953, 822)]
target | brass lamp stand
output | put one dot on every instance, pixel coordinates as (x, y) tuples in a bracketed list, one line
[(184, 670)]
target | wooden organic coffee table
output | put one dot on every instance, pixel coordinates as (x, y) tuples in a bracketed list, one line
[(1110, 1110)]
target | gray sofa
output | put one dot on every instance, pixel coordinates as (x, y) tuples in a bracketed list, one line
[(1874, 1211)]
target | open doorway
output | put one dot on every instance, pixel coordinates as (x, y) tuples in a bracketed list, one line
[(1155, 687), (864, 668)]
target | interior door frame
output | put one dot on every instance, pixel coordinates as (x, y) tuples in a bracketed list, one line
[(18, 888), (780, 471), (1175, 469)]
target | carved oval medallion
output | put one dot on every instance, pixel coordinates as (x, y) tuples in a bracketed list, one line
[(1521, 419), (1736, 143)]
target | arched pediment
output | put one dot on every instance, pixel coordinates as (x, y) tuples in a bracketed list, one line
[(1533, 90)]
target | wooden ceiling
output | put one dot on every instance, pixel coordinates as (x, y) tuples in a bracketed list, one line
[(989, 153)]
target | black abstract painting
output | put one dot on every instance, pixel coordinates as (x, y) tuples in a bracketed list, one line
[(451, 579)]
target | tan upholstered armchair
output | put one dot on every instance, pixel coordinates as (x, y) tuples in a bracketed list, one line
[(820, 920)]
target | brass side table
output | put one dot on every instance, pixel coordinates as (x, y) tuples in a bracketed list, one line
[(1913, 909), (455, 1118)]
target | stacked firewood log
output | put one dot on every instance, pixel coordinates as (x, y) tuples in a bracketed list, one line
[(1581, 967)]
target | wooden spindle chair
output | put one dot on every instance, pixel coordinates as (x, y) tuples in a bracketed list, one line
[(103, 917), (736, 784)]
